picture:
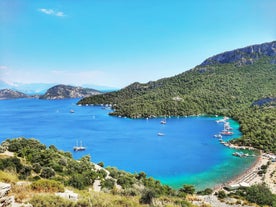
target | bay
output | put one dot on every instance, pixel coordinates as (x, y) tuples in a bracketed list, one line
[(186, 154)]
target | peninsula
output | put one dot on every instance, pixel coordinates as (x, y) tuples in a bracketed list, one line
[(227, 84)]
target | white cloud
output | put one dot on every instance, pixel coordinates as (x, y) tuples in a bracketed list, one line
[(52, 12), (3, 67)]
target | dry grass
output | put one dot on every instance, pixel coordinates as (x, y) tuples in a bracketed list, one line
[(22, 192), (8, 177), (192, 198)]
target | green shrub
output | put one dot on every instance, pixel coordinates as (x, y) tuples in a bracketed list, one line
[(47, 172), (108, 183), (207, 191), (24, 172), (260, 194), (221, 194), (189, 189), (36, 167), (147, 196), (101, 164), (77, 181)]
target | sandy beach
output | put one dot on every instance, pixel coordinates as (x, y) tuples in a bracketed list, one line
[(251, 177)]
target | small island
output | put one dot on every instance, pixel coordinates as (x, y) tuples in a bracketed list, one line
[(67, 91)]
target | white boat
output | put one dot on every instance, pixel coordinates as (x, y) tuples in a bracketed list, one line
[(218, 136), (163, 121), (160, 134), (72, 111), (79, 148)]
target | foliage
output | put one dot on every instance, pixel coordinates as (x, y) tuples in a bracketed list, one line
[(61, 170), (260, 194), (188, 189), (147, 196), (49, 163), (207, 191), (221, 194), (108, 184), (11, 164), (223, 89), (47, 172), (101, 164)]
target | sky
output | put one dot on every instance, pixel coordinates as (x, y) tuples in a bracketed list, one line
[(117, 42)]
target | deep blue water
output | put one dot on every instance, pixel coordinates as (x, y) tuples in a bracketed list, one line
[(188, 153)]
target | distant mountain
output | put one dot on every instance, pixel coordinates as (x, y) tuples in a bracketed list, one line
[(67, 91), (11, 94), (244, 56), (27, 88), (233, 83)]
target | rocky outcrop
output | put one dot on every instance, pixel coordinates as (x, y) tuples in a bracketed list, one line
[(5, 200), (244, 56), (66, 91), (11, 94)]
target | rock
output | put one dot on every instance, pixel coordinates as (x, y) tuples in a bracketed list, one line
[(68, 195), (244, 56), (66, 91), (5, 200), (11, 94)]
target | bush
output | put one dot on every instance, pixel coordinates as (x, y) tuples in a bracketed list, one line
[(47, 186), (12, 164), (207, 191), (47, 172), (24, 172), (189, 189), (221, 194), (147, 196), (108, 183), (102, 173), (260, 194), (141, 175), (36, 167), (77, 181), (101, 164), (125, 181)]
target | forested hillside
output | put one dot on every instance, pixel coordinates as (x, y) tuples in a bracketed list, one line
[(226, 84)]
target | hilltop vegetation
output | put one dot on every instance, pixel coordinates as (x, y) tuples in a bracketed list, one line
[(227, 84), (51, 170), (44, 171)]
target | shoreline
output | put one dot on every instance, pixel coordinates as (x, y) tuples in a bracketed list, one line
[(250, 176)]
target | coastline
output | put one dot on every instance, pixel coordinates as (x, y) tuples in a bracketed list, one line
[(250, 176)]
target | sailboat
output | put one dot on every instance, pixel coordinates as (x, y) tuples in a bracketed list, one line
[(79, 148)]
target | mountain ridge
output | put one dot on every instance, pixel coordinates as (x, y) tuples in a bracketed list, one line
[(245, 55), (224, 88)]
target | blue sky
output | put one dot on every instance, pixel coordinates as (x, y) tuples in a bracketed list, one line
[(116, 42)]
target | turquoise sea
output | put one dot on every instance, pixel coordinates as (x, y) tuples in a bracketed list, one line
[(186, 154)]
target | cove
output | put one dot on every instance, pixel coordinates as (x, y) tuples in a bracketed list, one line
[(188, 153)]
